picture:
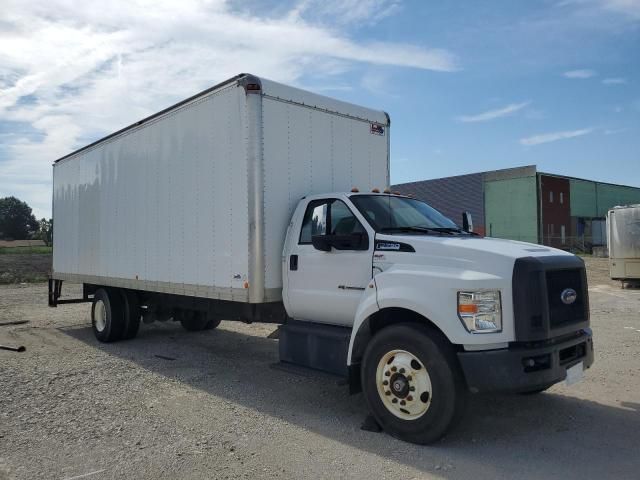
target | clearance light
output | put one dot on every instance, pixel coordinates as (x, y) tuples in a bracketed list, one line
[(480, 311), (387, 190), (355, 190), (375, 190)]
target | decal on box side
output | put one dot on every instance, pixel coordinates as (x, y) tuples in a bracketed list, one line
[(377, 129)]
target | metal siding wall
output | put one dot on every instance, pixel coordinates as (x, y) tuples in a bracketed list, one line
[(593, 199), (309, 151), (511, 209), (451, 196), (165, 202), (583, 198), (610, 196)]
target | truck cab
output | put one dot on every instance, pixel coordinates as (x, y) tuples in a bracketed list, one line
[(423, 312)]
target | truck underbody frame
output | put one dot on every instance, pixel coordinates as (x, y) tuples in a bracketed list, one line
[(272, 312)]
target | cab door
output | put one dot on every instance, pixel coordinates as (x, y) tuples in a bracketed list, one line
[(326, 286)]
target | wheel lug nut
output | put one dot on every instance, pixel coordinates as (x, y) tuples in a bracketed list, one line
[(395, 400), (409, 378), (387, 392), (402, 370), (410, 398), (413, 389), (385, 383), (402, 402), (393, 369), (387, 373)]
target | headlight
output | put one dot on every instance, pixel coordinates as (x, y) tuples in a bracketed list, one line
[(480, 311)]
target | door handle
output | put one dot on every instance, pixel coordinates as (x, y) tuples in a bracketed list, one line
[(293, 262)]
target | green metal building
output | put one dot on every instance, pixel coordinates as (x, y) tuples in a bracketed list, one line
[(524, 204)]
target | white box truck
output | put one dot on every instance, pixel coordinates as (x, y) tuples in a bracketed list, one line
[(238, 204)]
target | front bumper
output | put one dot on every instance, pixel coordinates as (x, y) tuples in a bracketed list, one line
[(526, 366)]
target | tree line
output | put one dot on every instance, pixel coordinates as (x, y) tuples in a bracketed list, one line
[(17, 222)]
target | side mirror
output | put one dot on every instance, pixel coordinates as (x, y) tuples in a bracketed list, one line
[(467, 222), (321, 242), (352, 241)]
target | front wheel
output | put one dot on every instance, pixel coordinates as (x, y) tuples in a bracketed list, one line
[(412, 383)]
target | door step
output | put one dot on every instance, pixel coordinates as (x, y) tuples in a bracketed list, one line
[(315, 345)]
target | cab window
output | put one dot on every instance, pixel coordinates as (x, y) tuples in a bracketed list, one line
[(331, 216)]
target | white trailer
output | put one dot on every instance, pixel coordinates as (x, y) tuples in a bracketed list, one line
[(196, 199), (623, 239), (221, 207)]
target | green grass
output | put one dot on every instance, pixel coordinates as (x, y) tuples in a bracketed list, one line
[(23, 250)]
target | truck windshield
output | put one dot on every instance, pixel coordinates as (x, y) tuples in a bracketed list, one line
[(391, 214)]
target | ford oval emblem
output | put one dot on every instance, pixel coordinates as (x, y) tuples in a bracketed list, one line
[(568, 296)]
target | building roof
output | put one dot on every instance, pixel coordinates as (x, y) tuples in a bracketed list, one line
[(517, 172)]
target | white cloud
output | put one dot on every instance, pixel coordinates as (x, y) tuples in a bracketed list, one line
[(554, 136), (614, 81), (581, 74), (627, 8), (615, 131), (71, 72), (630, 8), (493, 114), (366, 12)]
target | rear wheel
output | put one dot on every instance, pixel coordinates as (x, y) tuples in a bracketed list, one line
[(107, 315), (412, 383), (132, 314), (195, 321), (212, 323)]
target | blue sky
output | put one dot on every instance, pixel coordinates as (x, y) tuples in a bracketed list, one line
[(470, 86)]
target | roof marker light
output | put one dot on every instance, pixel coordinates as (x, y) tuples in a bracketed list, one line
[(355, 190), (375, 190)]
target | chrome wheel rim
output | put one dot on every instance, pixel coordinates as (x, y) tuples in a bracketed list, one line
[(100, 316), (404, 384)]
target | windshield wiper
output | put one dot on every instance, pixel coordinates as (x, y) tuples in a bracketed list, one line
[(416, 229), (447, 229), (456, 230)]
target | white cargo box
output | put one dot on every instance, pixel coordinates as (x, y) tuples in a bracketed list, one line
[(623, 239), (195, 200)]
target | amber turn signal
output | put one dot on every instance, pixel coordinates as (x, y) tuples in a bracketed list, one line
[(467, 308)]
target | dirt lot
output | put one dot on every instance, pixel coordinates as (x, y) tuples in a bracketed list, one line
[(19, 267), (173, 404)]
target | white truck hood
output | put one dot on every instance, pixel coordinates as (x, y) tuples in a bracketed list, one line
[(466, 252)]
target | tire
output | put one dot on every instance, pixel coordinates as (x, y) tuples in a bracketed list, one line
[(132, 314), (425, 362), (196, 321), (192, 321), (107, 315), (212, 323)]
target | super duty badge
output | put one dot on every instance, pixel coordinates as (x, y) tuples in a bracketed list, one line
[(382, 245)]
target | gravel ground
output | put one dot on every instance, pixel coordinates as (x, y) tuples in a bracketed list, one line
[(174, 404)]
